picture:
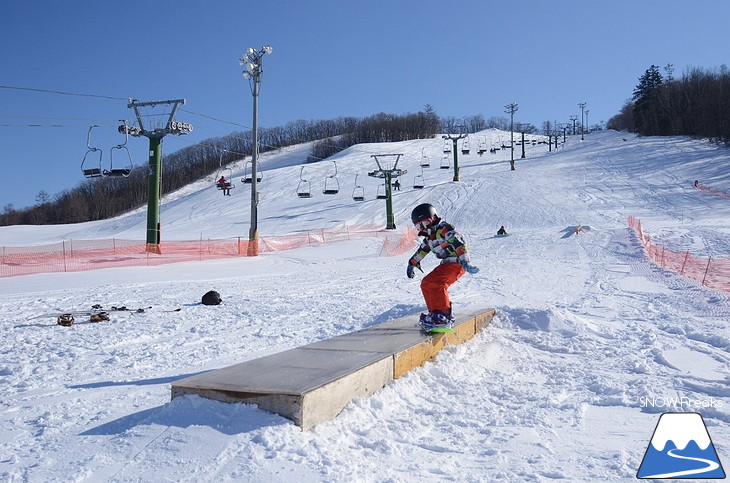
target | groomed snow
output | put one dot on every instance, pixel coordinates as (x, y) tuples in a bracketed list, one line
[(590, 344)]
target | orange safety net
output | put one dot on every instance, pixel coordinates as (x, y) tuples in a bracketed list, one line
[(711, 272), (81, 255)]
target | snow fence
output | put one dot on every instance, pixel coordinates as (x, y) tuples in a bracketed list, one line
[(710, 272), (81, 255)]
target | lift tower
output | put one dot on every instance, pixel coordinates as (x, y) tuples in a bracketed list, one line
[(454, 139), (154, 173), (387, 173)]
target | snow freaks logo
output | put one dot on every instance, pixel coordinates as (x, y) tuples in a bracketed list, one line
[(680, 448)]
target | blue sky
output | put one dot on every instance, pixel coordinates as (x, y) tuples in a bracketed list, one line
[(330, 59)]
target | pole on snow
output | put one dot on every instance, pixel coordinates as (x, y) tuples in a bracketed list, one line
[(387, 174), (510, 109), (154, 171), (252, 60), (454, 139)]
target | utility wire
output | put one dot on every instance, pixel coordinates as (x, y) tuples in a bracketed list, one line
[(49, 91)]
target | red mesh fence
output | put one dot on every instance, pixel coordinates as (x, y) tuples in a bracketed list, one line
[(712, 191), (711, 272), (80, 255)]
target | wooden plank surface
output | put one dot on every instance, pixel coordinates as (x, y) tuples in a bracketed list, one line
[(313, 383)]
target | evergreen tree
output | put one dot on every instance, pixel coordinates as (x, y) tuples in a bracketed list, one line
[(647, 99)]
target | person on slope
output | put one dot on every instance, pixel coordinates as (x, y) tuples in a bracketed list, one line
[(448, 245)]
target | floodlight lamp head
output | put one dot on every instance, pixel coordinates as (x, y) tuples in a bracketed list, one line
[(267, 49), (250, 51), (250, 68), (243, 60), (246, 75)]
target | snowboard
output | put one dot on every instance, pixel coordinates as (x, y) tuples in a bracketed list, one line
[(430, 329), (95, 315), (87, 313), (81, 313)]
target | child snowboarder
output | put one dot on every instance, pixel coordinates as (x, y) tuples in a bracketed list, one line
[(448, 245)]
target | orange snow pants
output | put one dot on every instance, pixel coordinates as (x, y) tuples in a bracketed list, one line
[(436, 284)]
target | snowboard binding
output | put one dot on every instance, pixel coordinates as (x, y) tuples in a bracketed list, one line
[(66, 320)]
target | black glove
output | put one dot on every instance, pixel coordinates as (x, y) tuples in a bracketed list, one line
[(411, 269)]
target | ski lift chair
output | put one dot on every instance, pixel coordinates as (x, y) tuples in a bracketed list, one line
[(445, 162), (123, 153), (425, 161), (482, 148), (419, 181), (304, 188), (331, 183), (224, 186), (226, 173), (112, 171), (91, 170), (358, 194), (465, 146), (381, 194), (331, 187), (247, 175)]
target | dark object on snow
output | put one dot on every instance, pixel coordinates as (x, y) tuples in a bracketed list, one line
[(66, 320), (212, 298), (501, 231)]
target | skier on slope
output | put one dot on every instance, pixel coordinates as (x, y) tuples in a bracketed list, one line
[(448, 245)]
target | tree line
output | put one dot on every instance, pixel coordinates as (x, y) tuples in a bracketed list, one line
[(103, 198), (696, 104)]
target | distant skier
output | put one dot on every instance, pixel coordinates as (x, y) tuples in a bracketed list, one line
[(501, 231), (396, 185), (448, 245)]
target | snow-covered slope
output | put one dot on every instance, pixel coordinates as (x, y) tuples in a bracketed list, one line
[(590, 344)]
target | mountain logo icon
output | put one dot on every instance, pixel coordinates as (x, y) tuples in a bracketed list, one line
[(681, 448)]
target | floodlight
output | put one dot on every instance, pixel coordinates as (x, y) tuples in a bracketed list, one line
[(267, 49)]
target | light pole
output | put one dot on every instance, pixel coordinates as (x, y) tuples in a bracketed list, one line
[(252, 60), (510, 109), (582, 106)]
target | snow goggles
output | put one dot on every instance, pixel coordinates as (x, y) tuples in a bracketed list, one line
[(422, 225)]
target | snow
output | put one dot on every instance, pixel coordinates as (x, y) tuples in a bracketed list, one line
[(590, 344)]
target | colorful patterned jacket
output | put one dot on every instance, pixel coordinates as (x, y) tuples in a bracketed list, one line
[(445, 242)]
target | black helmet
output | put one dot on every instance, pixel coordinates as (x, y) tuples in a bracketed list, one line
[(423, 212)]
